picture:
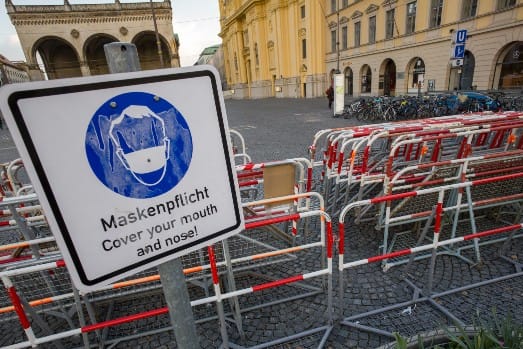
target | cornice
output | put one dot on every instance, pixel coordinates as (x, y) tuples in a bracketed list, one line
[(239, 13), (77, 18), (372, 8), (356, 14), (117, 6)]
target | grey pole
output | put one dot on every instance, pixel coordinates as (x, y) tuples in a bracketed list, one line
[(177, 297), (158, 43), (123, 57)]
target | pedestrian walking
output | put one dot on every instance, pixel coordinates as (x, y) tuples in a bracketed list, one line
[(330, 95)]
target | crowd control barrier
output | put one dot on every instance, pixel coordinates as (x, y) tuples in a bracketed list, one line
[(38, 288)]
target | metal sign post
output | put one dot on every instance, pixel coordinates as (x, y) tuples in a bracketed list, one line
[(123, 58)]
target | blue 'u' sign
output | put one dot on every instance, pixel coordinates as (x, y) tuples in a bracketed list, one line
[(461, 36)]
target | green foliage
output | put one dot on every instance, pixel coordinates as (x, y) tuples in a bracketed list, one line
[(495, 334)]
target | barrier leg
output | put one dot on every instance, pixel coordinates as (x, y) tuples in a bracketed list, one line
[(81, 317), (26, 232), (473, 223), (218, 294), (231, 283)]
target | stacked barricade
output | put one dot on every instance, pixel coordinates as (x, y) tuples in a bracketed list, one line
[(425, 188), (283, 224)]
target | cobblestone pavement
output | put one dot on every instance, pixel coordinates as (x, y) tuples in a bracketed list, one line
[(276, 129)]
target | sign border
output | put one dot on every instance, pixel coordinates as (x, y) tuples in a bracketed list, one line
[(16, 96)]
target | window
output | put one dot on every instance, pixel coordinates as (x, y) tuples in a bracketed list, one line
[(436, 8), (256, 56), (345, 3), (357, 34), (372, 30), (303, 48), (334, 6), (469, 8), (366, 79), (389, 24), (344, 38), (302, 11), (502, 4), (411, 17), (333, 41)]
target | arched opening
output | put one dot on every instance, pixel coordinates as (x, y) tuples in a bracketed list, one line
[(349, 81), (509, 67), (148, 51), (59, 58), (467, 71), (416, 77), (366, 79), (94, 53), (387, 83)]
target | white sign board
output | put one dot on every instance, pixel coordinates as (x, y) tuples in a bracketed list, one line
[(339, 94), (132, 169)]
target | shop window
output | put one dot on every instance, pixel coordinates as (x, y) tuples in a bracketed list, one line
[(366, 79), (512, 68), (418, 73)]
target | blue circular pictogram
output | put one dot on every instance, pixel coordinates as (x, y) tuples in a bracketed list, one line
[(138, 145)]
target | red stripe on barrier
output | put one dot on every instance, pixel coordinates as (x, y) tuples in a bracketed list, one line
[(389, 255), (365, 159), (272, 221), (341, 235), (329, 240), (277, 283), (340, 162), (18, 308), (124, 319), (435, 152), (495, 179), (309, 179), (393, 197), (492, 232), (212, 261), (437, 224), (247, 183), (4, 223), (60, 263), (249, 174)]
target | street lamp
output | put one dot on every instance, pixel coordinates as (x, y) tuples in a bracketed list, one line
[(338, 37), (158, 43)]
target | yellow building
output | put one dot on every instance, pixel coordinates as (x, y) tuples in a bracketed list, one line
[(274, 47), (406, 46), (291, 48)]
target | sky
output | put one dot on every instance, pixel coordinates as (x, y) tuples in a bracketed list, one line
[(195, 21)]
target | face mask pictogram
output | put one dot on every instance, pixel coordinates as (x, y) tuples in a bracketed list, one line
[(147, 165)]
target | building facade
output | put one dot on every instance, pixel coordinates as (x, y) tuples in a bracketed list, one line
[(395, 47), (213, 55), (69, 39), (274, 47)]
